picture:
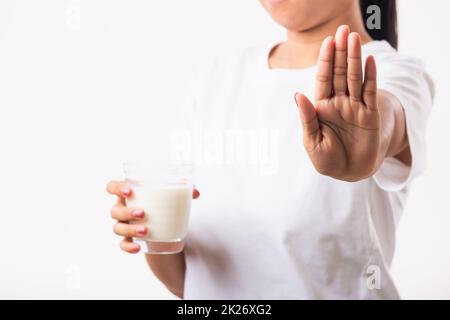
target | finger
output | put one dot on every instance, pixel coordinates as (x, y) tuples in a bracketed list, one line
[(195, 194), (325, 69), (121, 201), (118, 188), (127, 245), (340, 61), (370, 84), (354, 70), (310, 122), (129, 230), (122, 213)]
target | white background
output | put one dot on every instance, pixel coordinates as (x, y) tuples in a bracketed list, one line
[(83, 83)]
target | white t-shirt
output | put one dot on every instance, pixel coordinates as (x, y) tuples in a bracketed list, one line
[(267, 225)]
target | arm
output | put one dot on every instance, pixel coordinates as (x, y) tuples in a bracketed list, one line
[(170, 270), (352, 126), (394, 139)]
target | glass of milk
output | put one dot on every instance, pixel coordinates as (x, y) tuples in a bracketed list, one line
[(164, 192)]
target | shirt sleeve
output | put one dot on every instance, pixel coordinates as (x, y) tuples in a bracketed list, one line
[(407, 80)]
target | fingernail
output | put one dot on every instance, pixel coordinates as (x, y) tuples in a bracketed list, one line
[(195, 193), (138, 213), (141, 231), (126, 191)]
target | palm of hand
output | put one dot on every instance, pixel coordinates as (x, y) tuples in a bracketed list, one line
[(341, 129)]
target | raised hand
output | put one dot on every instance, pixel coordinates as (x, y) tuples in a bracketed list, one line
[(341, 130)]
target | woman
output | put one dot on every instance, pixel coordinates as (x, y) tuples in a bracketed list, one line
[(322, 224)]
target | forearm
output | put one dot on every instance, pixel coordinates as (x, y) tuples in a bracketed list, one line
[(393, 135), (170, 270)]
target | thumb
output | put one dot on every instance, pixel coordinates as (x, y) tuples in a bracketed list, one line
[(310, 123)]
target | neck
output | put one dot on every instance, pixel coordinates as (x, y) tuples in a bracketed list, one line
[(301, 49)]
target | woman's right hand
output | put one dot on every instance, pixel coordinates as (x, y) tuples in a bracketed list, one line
[(123, 215)]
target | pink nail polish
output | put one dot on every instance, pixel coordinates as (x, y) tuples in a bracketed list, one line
[(138, 213), (141, 231), (126, 191)]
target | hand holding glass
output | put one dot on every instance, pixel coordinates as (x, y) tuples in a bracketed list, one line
[(165, 195)]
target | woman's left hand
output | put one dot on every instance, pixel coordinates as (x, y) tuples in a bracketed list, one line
[(341, 130)]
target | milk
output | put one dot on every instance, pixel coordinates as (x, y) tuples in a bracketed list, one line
[(166, 209)]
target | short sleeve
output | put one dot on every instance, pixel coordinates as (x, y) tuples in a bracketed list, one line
[(407, 80)]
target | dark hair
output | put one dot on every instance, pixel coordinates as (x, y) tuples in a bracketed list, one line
[(388, 30)]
